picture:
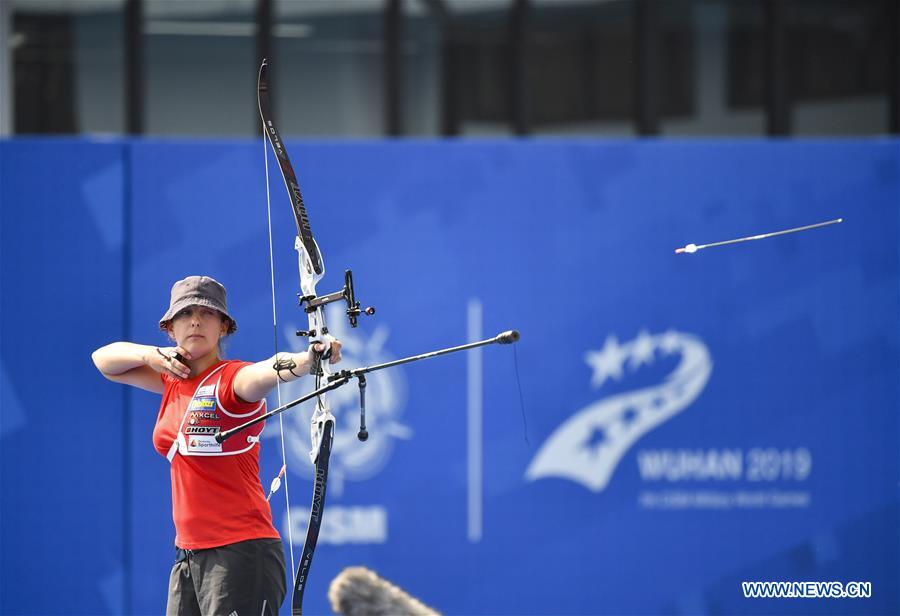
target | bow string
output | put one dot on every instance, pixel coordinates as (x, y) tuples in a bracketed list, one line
[(311, 270)]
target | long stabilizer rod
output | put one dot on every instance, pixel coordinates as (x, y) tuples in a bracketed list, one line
[(507, 337), (344, 376)]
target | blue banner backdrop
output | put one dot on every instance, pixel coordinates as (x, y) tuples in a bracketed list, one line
[(687, 422)]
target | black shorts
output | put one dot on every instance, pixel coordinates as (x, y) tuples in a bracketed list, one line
[(240, 578)]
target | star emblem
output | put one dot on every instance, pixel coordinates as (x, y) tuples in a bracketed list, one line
[(643, 351), (670, 342), (606, 363)]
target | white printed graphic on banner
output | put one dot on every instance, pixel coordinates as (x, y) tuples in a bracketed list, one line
[(350, 459), (574, 450), (343, 525)]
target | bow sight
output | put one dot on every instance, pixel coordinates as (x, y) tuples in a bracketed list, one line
[(347, 294)]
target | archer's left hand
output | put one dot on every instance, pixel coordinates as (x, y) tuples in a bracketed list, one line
[(332, 352)]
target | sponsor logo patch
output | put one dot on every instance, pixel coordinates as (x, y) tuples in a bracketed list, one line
[(204, 415), (206, 390), (203, 444), (202, 430), (202, 403)]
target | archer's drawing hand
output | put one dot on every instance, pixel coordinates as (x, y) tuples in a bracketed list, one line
[(164, 361)]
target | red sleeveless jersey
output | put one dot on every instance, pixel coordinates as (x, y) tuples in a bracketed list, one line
[(217, 498)]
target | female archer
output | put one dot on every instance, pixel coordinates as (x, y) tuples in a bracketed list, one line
[(229, 557)]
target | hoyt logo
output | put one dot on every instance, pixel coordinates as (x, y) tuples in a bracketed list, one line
[(202, 430), (588, 446)]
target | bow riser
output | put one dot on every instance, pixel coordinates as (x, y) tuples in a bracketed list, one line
[(317, 333), (309, 278)]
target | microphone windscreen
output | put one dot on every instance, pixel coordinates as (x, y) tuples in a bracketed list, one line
[(358, 591)]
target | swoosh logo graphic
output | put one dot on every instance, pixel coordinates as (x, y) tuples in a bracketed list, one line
[(588, 446)]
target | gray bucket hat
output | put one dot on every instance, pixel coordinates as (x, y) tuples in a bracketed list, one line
[(198, 291)]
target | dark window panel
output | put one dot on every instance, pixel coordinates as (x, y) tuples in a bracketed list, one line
[(580, 63), (134, 67), (892, 19), (394, 75), (330, 77), (44, 74), (834, 49), (426, 64)]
